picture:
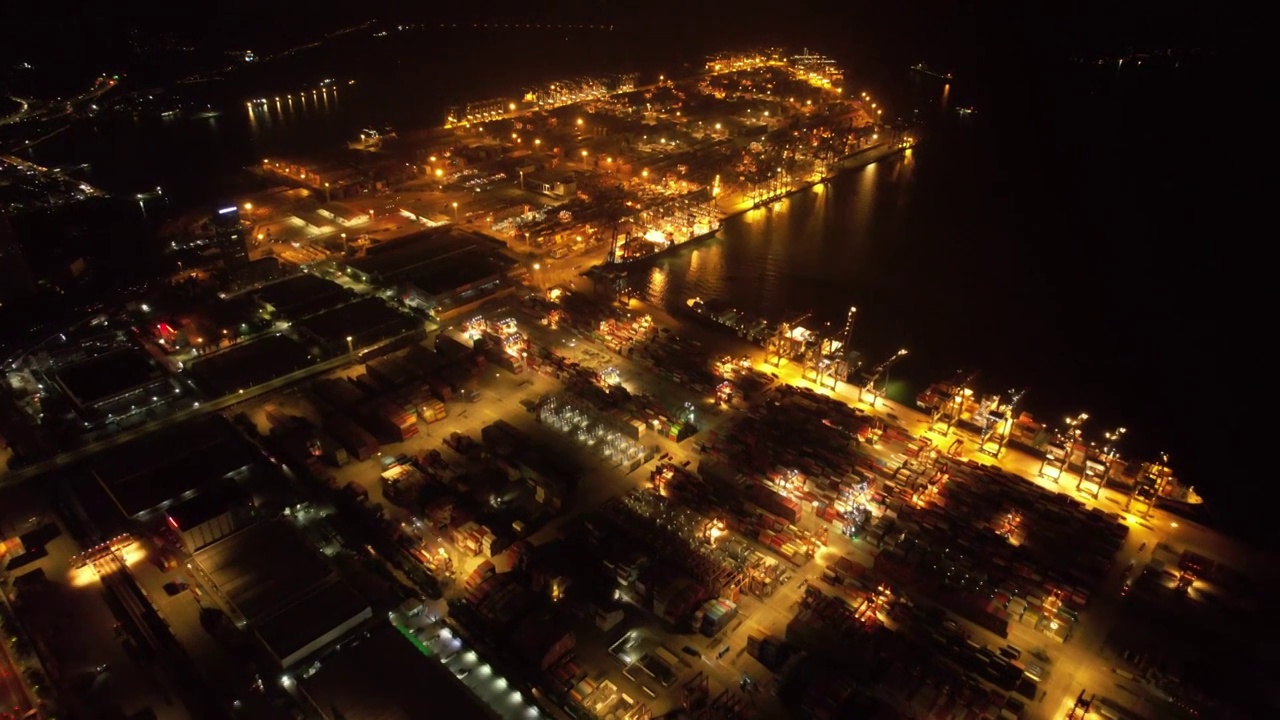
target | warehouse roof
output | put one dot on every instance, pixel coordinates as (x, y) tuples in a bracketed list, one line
[(313, 621), (170, 464), (385, 677), (263, 568)]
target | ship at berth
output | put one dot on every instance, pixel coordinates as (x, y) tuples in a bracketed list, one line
[(1067, 456)]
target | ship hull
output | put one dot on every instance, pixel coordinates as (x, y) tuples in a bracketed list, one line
[(665, 252)]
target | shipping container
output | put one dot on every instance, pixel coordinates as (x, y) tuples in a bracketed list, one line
[(340, 394), (351, 436)]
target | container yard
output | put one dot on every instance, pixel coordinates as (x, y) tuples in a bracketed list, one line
[(624, 517)]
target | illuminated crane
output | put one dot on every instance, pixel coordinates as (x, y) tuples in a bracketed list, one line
[(997, 424), (1098, 464), (951, 407), (787, 341), (867, 379), (1148, 485), (827, 360), (1058, 453)]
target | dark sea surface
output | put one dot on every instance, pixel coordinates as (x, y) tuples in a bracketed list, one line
[(1052, 240)]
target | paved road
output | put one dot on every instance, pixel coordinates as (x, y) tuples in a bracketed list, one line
[(67, 458), (13, 693)]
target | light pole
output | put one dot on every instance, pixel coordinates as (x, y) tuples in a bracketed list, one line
[(344, 243), (537, 275), (455, 212), (326, 193), (351, 350)]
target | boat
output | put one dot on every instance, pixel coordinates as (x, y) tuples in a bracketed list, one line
[(668, 245), (924, 70), (966, 111), (754, 329)]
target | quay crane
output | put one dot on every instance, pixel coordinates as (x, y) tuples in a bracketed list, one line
[(996, 423), (827, 360), (787, 341), (867, 379), (1057, 454), (1098, 464), (1147, 487), (949, 409)]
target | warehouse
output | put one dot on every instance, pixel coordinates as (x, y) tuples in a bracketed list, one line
[(267, 577), (174, 464), (314, 622), (208, 517), (385, 677), (346, 215), (117, 383), (300, 296)]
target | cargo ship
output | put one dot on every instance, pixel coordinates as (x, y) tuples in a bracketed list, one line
[(924, 70), (756, 330), (639, 250)]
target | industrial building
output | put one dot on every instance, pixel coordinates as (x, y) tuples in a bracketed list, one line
[(385, 676), (169, 466), (229, 237), (267, 578), (208, 517), (345, 215), (300, 296), (114, 384), (443, 271)]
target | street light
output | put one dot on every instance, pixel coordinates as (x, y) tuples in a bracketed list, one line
[(326, 192), (579, 122), (351, 350), (455, 212), (248, 207)]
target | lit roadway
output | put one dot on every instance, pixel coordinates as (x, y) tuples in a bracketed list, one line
[(72, 456), (13, 691)]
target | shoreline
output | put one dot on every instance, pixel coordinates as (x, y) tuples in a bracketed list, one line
[(853, 161), (1162, 525)]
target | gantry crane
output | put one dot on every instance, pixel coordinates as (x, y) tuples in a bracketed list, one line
[(1080, 710), (997, 424), (783, 343), (948, 411), (1057, 454), (867, 379), (1148, 485), (1099, 463)]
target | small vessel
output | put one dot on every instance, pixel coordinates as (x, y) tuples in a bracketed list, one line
[(924, 70), (966, 111)]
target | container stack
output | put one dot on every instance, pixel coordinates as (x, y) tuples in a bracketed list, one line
[(351, 436), (714, 617), (341, 394)]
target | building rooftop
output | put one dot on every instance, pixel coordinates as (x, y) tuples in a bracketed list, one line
[(405, 257), (365, 321), (170, 465), (103, 377), (346, 213), (458, 271), (313, 621), (204, 507), (264, 568), (249, 364), (385, 677), (299, 291)]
